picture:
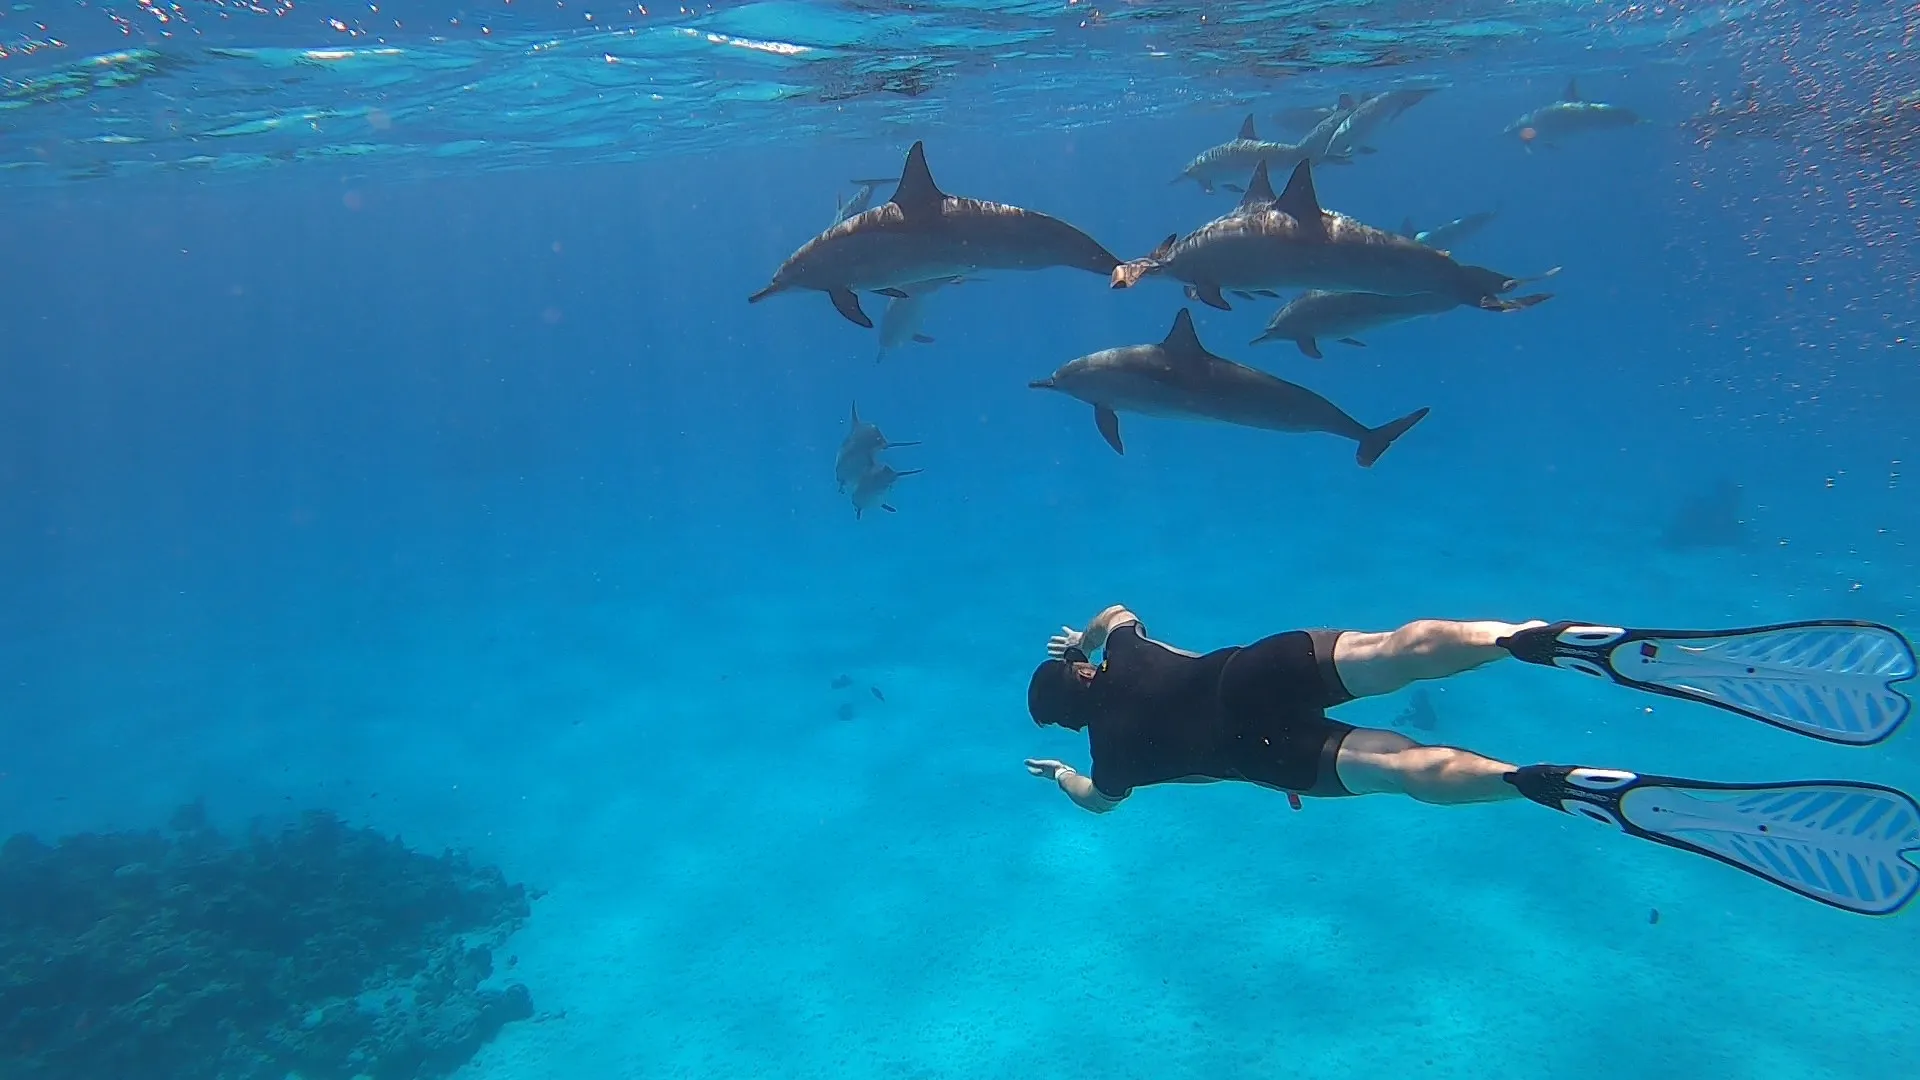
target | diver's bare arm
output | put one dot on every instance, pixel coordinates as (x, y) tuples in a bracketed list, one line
[(1370, 664), (1081, 790), (1094, 637)]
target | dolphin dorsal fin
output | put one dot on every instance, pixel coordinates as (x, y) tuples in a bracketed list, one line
[(1246, 129), (1181, 341), (1299, 201), (1572, 92), (1347, 102), (1407, 230), (917, 193), (1259, 189)]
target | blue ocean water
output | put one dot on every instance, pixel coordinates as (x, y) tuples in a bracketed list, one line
[(384, 429)]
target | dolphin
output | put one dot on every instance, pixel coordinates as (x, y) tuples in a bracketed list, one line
[(1237, 159), (1179, 378), (1570, 116), (861, 198), (1747, 116), (1370, 116), (1276, 242), (900, 323), (857, 450), (1342, 315), (1318, 143), (923, 233), (871, 489), (1446, 235)]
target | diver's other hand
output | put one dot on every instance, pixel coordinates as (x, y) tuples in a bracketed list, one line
[(1047, 767), (1067, 638)]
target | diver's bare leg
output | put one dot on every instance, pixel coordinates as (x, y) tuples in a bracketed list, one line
[(1372, 664), (1372, 762)]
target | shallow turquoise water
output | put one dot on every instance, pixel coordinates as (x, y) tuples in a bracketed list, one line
[(382, 428)]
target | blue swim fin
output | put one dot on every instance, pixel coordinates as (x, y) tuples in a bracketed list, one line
[(1828, 679), (1848, 844)]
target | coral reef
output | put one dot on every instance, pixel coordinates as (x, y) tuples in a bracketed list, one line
[(318, 949)]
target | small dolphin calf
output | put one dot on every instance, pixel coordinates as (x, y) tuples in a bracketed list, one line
[(1179, 378), (1570, 116), (1448, 235), (861, 198), (1318, 143), (1369, 116), (923, 233), (1343, 315), (900, 323), (872, 488), (858, 449), (1269, 242), (1237, 158)]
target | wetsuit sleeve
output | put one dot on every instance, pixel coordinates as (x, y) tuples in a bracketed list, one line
[(1122, 641)]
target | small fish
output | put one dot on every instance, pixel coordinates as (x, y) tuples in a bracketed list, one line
[(1420, 713), (878, 696), (841, 682), (1653, 916), (845, 711)]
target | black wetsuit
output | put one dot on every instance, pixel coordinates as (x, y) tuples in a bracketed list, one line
[(1253, 712)]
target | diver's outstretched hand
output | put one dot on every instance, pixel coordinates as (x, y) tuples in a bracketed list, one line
[(1067, 638), (1046, 768)]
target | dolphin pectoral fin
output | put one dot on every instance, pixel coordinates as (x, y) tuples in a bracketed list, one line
[(1376, 440), (1241, 293), (1268, 293), (1310, 347), (897, 294), (848, 304), (1365, 150), (888, 508), (1235, 188), (922, 339), (1356, 342), (1209, 294), (1108, 422)]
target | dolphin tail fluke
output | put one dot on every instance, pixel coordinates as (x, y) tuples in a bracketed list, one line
[(1518, 303), (1376, 440), (1128, 274)]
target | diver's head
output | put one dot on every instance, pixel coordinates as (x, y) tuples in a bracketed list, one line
[(1061, 691)]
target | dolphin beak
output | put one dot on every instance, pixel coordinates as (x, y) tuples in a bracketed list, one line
[(1041, 384)]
